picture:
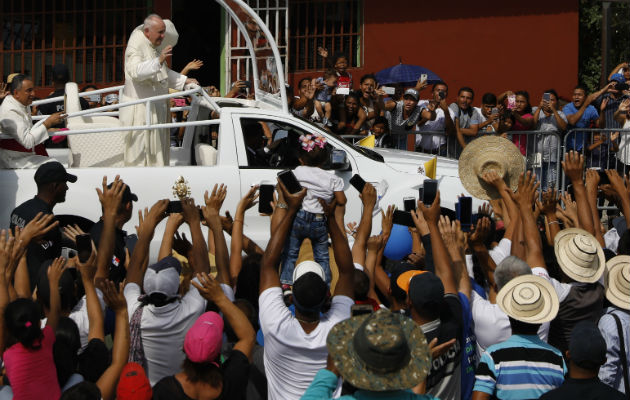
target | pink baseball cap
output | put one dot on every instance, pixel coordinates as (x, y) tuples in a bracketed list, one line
[(203, 340)]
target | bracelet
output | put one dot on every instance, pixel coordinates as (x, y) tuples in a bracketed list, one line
[(282, 205), (553, 222)]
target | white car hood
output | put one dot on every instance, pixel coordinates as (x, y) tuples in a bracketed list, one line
[(408, 161)]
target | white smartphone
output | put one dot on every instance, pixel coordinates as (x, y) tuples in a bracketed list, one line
[(423, 78), (344, 91), (389, 90)]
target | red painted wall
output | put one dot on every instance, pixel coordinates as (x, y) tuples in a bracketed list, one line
[(491, 45)]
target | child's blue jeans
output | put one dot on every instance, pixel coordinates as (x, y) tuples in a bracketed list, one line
[(306, 225)]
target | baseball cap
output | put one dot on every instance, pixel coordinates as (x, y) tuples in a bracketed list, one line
[(404, 278), (203, 340), (587, 346), (413, 93), (53, 172), (163, 277), (133, 383), (127, 195), (424, 289), (618, 78), (60, 73), (309, 286)]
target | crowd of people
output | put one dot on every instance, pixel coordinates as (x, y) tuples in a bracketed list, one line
[(533, 302)]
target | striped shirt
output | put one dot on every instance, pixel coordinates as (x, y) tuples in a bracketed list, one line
[(522, 367)]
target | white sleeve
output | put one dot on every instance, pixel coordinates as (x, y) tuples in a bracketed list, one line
[(562, 289), (176, 80), (501, 250), (132, 292), (273, 312), (193, 300), (340, 308), (228, 291), (137, 68), (14, 124)]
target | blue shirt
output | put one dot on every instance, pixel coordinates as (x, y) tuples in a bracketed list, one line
[(611, 373), (522, 367), (325, 383), (576, 140)]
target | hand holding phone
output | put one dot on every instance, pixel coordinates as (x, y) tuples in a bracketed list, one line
[(357, 182), (288, 179), (429, 192), (403, 218), (511, 102), (409, 203), (464, 213), (265, 198), (84, 247)]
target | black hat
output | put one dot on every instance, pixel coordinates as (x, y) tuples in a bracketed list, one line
[(587, 347), (53, 172), (60, 73), (127, 195), (425, 289)]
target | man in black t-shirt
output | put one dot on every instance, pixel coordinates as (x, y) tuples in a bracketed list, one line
[(51, 179), (117, 270)]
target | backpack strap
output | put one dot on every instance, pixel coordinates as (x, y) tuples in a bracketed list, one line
[(622, 356)]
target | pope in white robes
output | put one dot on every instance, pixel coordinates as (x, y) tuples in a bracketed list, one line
[(146, 75)]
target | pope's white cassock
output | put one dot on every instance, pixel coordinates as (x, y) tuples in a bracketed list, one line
[(24, 149), (146, 77)]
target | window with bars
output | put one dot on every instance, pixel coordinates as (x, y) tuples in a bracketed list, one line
[(89, 36), (333, 24)]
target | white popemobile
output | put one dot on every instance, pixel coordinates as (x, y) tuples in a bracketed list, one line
[(218, 154)]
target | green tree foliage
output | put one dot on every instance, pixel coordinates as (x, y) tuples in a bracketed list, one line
[(590, 57)]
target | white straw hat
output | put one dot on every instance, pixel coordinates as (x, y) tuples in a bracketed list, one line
[(485, 154), (580, 255), (529, 298), (618, 281)]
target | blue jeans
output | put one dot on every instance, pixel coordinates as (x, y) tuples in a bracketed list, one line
[(306, 225), (547, 175)]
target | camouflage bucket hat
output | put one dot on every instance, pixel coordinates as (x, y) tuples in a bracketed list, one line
[(380, 351)]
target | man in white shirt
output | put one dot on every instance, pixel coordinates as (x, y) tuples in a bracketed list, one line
[(492, 325), (443, 122), (295, 346), (25, 149), (147, 75)]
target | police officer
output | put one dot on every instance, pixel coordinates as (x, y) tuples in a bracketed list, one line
[(51, 179)]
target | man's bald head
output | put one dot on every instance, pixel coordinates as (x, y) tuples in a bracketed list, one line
[(154, 29)]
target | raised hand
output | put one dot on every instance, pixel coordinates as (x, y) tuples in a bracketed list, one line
[(181, 244), (6, 251), (293, 201), (114, 297), (209, 288), (376, 243), (387, 221), (620, 185), (55, 270), (431, 214), (592, 180), (88, 268), (481, 232), (71, 232), (351, 229), (248, 201), (573, 166), (38, 227), (492, 178), (214, 201), (549, 201), (368, 195), (166, 53), (111, 198), (190, 212), (194, 65), (526, 193)]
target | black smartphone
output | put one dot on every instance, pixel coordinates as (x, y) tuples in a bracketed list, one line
[(570, 190), (174, 207), (361, 309), (409, 203), (442, 95), (403, 218), (603, 178), (464, 213), (357, 182), (84, 246), (429, 192), (265, 197), (290, 181)]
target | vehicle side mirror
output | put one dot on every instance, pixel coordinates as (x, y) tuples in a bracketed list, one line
[(339, 160)]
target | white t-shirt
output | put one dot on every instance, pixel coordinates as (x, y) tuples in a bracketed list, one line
[(623, 154), (164, 328), (433, 141), (498, 253), (293, 357), (319, 184)]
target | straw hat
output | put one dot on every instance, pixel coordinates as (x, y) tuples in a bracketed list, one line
[(485, 154), (380, 351), (618, 281), (580, 255), (529, 298)]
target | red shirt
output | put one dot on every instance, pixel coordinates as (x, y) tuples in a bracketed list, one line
[(32, 372)]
